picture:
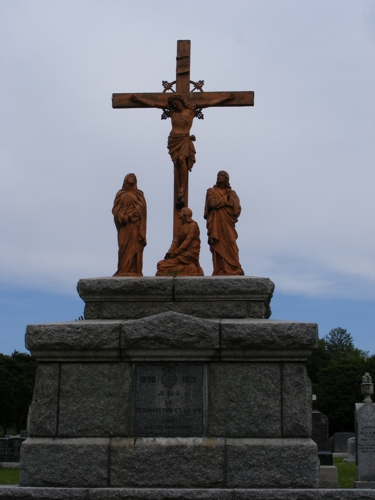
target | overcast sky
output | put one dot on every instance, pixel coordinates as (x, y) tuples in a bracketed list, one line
[(301, 160)]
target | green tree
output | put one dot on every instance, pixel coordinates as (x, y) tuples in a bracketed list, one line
[(17, 377), (335, 369)]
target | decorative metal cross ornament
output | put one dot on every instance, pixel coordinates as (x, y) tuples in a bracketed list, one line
[(182, 105)]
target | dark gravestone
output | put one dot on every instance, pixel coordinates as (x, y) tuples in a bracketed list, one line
[(10, 449), (319, 434), (168, 400), (3, 449), (340, 440), (319, 431)]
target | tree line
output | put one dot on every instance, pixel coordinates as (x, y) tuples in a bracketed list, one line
[(17, 377), (335, 369)]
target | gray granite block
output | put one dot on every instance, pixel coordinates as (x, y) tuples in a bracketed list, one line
[(296, 394), (126, 288), (135, 310), (160, 494), (268, 334), (132, 310), (29, 493), (170, 330), (43, 409), (302, 494), (210, 297), (70, 339), (65, 462), (228, 287), (244, 400), (94, 399), (212, 309), (167, 462), (367, 485), (272, 463)]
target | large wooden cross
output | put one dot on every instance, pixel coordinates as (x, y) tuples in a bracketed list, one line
[(182, 105)]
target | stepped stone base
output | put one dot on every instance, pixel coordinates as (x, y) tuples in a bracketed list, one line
[(171, 383), (21, 493)]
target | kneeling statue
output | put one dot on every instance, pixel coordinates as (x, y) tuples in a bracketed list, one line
[(182, 259)]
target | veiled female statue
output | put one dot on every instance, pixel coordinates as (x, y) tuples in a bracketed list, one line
[(130, 212)]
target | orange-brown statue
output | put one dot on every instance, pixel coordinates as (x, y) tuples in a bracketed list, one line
[(221, 212), (182, 259), (130, 212), (180, 142)]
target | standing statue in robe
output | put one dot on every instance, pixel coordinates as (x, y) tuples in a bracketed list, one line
[(182, 259), (130, 212), (221, 212), (180, 142)]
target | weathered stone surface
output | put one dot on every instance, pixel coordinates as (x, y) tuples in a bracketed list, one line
[(43, 409), (302, 494), (339, 441), (170, 330), (319, 430), (367, 485), (167, 462), (365, 430), (160, 494), (29, 493), (95, 399), (296, 394), (204, 297), (220, 287), (135, 310), (268, 334), (328, 476), (71, 338), (168, 400), (272, 463), (244, 400), (126, 288), (64, 462)]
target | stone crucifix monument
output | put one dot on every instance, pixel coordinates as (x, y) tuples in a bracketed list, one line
[(182, 106), (172, 387)]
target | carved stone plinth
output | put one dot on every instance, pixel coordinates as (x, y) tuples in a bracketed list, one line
[(168, 399)]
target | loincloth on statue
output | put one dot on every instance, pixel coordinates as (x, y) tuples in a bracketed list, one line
[(182, 145)]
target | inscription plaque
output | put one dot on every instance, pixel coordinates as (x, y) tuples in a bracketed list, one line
[(168, 400)]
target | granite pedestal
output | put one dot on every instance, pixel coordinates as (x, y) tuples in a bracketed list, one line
[(172, 383)]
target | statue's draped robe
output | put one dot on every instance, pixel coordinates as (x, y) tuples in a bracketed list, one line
[(132, 234), (222, 214), (187, 246), (182, 145)]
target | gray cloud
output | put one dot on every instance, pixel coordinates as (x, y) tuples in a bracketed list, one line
[(301, 160)]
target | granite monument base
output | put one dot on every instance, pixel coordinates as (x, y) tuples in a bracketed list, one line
[(30, 493), (205, 392)]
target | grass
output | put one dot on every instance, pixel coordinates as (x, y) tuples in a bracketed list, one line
[(346, 472), (9, 476)]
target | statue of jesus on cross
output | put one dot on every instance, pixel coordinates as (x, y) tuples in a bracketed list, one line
[(182, 105), (180, 142)]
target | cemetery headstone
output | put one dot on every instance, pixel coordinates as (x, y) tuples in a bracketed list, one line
[(319, 434), (339, 441), (365, 436), (351, 450)]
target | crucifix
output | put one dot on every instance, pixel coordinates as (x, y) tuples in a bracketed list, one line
[(182, 105)]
